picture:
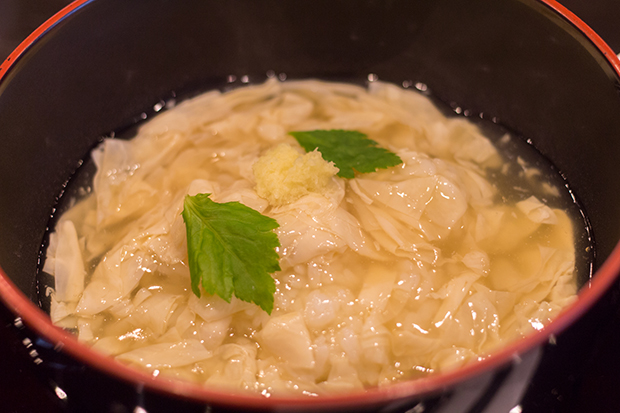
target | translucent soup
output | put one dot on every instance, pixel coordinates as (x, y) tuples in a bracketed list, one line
[(390, 275)]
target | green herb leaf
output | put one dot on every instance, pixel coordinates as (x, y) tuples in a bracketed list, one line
[(231, 250), (349, 150)]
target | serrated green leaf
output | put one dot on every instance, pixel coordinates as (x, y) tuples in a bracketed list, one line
[(231, 250), (349, 150)]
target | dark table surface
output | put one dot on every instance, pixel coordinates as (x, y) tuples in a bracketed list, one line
[(592, 385)]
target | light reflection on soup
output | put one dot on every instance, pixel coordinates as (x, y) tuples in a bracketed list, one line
[(392, 275)]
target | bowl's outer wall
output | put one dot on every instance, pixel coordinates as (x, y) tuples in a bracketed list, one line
[(111, 60)]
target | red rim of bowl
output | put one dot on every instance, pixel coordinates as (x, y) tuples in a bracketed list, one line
[(40, 322)]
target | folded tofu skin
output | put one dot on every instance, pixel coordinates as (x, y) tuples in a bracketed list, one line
[(390, 275)]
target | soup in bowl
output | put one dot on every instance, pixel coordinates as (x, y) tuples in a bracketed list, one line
[(379, 272)]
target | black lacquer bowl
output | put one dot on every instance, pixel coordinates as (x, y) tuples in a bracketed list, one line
[(98, 65)]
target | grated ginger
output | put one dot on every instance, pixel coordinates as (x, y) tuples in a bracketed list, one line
[(283, 175)]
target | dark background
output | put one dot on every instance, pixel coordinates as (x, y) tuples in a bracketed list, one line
[(561, 385)]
